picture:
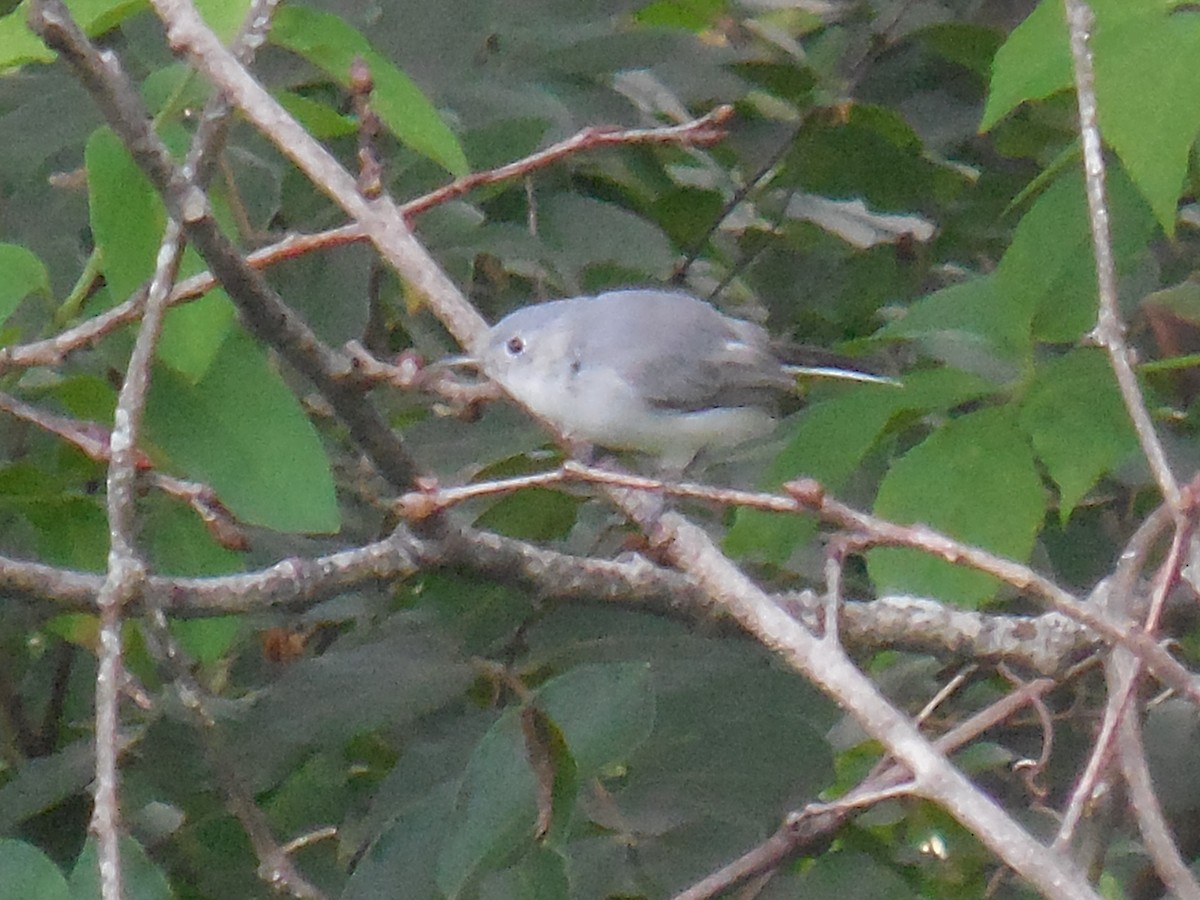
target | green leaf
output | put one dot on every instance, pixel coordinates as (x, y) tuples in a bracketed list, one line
[(19, 45), (318, 119), (241, 431), (1033, 63), (829, 444), (143, 879), (207, 640), (98, 16), (193, 332), (875, 155), (784, 80), (128, 219), (686, 214), (72, 531), (1147, 88), (603, 711), (543, 875), (224, 17), (975, 479), (26, 873), (694, 15), (1048, 270), (534, 514), (969, 45), (21, 274), (180, 544), (1077, 423), (126, 214), (331, 45), (967, 325)]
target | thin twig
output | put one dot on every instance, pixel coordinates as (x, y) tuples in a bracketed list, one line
[(126, 569), (1110, 329)]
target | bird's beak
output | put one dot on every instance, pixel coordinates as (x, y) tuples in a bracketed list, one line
[(844, 374), (457, 362)]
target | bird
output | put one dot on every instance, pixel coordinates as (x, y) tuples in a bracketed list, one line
[(659, 372)]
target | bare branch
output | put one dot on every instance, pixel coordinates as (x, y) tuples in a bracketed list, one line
[(1110, 329), (868, 530), (823, 663)]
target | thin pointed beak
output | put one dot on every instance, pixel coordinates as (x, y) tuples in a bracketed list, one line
[(457, 362), (844, 374)]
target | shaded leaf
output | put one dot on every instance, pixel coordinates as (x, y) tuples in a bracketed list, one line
[(534, 514), (586, 232), (27, 873), (143, 880), (1077, 423), (398, 675), (406, 852), (543, 875), (329, 43), (45, 782), (847, 875), (603, 711)]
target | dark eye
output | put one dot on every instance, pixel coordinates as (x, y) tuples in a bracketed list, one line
[(515, 346)]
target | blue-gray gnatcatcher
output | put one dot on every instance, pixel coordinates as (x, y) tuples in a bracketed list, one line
[(655, 371)]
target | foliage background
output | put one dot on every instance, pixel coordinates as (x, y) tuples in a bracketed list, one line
[(901, 178)]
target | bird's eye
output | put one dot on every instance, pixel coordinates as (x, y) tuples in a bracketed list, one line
[(515, 346)]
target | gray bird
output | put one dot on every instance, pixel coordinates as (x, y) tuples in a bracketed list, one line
[(660, 372)]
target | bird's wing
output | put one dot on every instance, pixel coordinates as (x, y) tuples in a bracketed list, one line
[(690, 357)]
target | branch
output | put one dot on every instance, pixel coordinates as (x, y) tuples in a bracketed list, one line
[(1110, 329), (866, 530), (828, 667), (1047, 644), (126, 568)]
